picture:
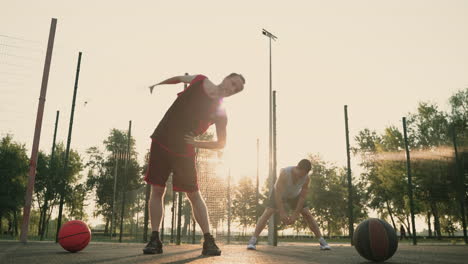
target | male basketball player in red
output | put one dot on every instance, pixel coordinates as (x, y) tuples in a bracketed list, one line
[(173, 148)]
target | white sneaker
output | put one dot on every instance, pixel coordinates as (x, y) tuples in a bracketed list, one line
[(323, 244), (325, 247), (252, 242)]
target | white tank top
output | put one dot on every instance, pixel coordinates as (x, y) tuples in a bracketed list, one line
[(292, 190)]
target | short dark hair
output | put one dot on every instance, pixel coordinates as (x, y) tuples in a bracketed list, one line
[(236, 74), (305, 165)]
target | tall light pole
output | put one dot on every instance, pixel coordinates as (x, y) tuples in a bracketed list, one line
[(116, 169), (350, 182), (410, 184), (127, 156), (67, 152), (273, 170), (271, 225), (179, 214), (257, 195), (229, 207), (37, 134)]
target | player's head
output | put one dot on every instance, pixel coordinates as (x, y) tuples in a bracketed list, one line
[(232, 84), (303, 167)]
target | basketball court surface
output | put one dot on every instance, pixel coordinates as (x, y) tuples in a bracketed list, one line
[(294, 253)]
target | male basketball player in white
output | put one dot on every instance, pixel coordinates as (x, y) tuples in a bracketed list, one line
[(290, 188)]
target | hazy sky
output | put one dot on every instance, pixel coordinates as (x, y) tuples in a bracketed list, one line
[(378, 57)]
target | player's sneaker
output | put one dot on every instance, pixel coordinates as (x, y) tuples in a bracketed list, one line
[(209, 247), (252, 243), (323, 244), (153, 247)]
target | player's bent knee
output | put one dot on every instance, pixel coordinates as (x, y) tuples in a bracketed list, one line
[(305, 211)]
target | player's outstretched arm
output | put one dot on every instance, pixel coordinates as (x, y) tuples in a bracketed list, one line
[(300, 202), (174, 80), (279, 189)]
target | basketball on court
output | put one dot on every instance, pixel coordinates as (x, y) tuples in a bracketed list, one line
[(74, 235), (375, 240)]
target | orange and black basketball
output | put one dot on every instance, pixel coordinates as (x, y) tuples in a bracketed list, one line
[(74, 235), (375, 240)]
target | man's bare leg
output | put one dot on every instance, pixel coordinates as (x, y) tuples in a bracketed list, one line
[(200, 212), (262, 221), (156, 210), (156, 206), (311, 222), (314, 228)]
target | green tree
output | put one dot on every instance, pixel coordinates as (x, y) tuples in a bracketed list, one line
[(76, 202), (328, 194), (434, 177), (459, 110), (13, 176), (244, 203), (102, 167), (459, 119), (430, 129), (383, 171), (48, 181)]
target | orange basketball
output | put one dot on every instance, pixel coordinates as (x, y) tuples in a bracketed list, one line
[(74, 235)]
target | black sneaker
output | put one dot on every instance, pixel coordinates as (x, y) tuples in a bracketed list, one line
[(153, 247), (210, 248)]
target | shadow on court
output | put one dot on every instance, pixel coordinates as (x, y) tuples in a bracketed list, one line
[(297, 253)]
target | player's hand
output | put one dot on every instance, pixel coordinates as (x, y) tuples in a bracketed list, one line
[(151, 88), (293, 219), (190, 139), (284, 218)]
